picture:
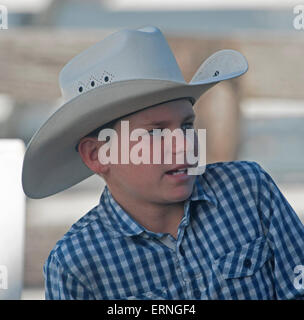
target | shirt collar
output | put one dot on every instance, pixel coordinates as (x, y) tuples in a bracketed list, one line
[(120, 221), (203, 191)]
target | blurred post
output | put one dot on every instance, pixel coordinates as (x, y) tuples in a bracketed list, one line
[(219, 112), (12, 223)]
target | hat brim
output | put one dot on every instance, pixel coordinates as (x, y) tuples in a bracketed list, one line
[(51, 163)]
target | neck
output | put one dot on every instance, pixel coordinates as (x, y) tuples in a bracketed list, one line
[(155, 217)]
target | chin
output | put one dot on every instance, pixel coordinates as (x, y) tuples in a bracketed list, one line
[(181, 195)]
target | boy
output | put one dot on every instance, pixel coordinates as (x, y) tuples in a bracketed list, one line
[(158, 232)]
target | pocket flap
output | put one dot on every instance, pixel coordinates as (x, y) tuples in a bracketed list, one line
[(245, 260)]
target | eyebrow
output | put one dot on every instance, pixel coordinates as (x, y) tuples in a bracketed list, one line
[(158, 123)]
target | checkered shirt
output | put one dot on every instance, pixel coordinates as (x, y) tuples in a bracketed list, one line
[(238, 239)]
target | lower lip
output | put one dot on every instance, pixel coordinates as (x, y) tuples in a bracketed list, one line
[(178, 177)]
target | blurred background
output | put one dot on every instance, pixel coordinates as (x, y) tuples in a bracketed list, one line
[(258, 117)]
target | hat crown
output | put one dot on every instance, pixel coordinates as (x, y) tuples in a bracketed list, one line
[(125, 55)]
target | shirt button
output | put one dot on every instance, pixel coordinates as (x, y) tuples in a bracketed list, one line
[(247, 263)]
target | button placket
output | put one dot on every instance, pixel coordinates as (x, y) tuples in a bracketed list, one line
[(181, 229), (180, 252)]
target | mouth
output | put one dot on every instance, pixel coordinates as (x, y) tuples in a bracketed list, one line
[(178, 171)]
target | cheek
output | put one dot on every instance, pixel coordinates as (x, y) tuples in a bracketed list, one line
[(141, 174), (144, 153)]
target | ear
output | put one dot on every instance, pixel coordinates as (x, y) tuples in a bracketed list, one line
[(88, 149)]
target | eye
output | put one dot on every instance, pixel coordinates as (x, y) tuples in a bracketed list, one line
[(188, 125), (155, 132)]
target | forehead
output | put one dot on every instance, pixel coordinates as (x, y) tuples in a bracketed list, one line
[(170, 111)]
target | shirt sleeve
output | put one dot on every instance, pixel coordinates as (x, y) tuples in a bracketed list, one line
[(285, 235), (60, 284)]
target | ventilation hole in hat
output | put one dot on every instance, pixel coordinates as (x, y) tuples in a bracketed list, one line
[(92, 83), (80, 89), (216, 73), (106, 78)]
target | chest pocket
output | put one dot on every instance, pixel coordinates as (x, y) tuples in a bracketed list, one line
[(245, 260)]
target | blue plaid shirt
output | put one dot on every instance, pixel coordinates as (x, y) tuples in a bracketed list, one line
[(238, 239)]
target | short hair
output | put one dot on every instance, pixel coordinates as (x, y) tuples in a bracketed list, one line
[(95, 132)]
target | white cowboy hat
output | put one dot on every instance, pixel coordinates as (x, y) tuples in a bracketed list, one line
[(126, 72)]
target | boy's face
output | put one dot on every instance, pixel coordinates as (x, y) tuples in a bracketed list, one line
[(151, 182)]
